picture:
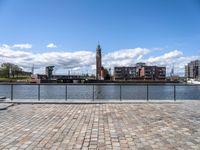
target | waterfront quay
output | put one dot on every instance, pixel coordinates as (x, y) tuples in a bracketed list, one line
[(117, 126)]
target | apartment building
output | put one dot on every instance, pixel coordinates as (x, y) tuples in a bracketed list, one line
[(192, 70), (140, 72), (124, 73)]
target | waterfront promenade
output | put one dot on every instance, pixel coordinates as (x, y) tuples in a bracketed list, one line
[(124, 126)]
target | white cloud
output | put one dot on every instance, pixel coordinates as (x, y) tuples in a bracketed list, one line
[(124, 57), (166, 57), (173, 58), (51, 45), (127, 53), (8, 53), (5, 46), (62, 60), (84, 61), (22, 46)]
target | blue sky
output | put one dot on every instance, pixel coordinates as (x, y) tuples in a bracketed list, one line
[(160, 29)]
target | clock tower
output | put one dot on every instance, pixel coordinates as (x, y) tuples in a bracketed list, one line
[(98, 62)]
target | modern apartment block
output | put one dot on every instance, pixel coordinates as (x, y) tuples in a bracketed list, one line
[(192, 70), (152, 73), (124, 73), (140, 72)]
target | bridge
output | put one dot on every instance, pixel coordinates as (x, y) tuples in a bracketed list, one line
[(43, 78)]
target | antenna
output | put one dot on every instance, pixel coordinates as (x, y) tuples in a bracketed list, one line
[(32, 69), (172, 71)]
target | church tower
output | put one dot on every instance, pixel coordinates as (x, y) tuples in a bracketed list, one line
[(98, 62)]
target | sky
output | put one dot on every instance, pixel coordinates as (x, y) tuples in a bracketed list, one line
[(65, 33)]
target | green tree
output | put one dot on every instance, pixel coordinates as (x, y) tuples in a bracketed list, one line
[(107, 74), (9, 70)]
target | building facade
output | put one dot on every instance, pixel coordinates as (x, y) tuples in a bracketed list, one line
[(98, 63), (124, 73), (192, 70), (49, 71), (140, 72), (152, 73)]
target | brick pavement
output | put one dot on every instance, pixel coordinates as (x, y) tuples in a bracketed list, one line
[(144, 126)]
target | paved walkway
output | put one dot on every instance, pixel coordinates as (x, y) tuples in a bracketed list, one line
[(101, 126)]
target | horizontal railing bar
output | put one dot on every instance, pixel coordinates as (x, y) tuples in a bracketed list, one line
[(98, 84), (107, 84)]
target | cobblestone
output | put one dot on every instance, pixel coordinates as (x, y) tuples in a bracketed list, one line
[(146, 126)]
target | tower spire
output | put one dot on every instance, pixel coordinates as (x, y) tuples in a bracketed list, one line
[(98, 62), (98, 46)]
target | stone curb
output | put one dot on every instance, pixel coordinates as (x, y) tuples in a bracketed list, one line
[(96, 102)]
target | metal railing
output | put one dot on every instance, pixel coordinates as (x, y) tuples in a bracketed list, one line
[(93, 91)]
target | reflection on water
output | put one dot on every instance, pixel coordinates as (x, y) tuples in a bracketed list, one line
[(98, 90), (104, 92), (101, 92)]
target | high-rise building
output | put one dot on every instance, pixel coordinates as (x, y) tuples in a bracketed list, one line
[(98, 63)]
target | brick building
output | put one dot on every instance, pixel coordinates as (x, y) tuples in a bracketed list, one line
[(140, 72)]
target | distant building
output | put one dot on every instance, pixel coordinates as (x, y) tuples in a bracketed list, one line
[(140, 72), (192, 70), (124, 73), (42, 78), (140, 64), (152, 73), (139, 67), (102, 73), (98, 63), (49, 71)]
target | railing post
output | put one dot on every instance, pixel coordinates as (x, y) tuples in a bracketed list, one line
[(120, 92), (38, 92), (11, 92), (93, 92), (66, 92), (174, 92), (147, 92)]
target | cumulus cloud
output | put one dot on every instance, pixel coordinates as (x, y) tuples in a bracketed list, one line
[(16, 46), (166, 57), (171, 59), (6, 52), (62, 60), (124, 57), (127, 53), (51, 45), (84, 61), (5, 46), (22, 46)]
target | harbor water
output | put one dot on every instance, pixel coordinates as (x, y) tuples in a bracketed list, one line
[(100, 92)]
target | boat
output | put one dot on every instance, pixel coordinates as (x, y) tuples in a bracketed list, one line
[(193, 81), (2, 98)]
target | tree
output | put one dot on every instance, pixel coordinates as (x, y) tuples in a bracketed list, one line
[(9, 69), (106, 74)]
